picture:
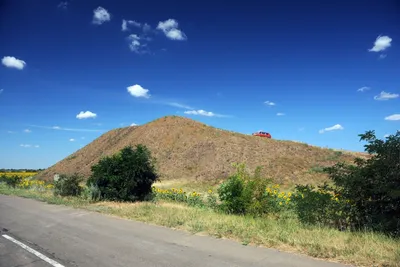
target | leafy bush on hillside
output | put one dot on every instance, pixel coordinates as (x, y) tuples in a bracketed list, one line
[(242, 193), (372, 186), (320, 205), (127, 175), (68, 185)]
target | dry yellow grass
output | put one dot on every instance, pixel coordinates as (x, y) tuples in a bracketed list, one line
[(188, 150)]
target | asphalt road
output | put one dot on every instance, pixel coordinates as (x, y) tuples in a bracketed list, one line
[(73, 237)]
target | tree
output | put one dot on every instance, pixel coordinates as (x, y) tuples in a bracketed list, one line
[(372, 186), (127, 175)]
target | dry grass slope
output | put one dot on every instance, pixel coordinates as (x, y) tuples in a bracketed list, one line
[(187, 149)]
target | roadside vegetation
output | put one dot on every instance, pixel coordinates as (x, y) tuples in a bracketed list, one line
[(353, 218)]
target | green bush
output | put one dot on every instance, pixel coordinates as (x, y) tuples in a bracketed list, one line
[(68, 185), (244, 194), (125, 176), (12, 181), (320, 205), (372, 186)]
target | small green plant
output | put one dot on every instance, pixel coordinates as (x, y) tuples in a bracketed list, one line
[(68, 185), (317, 169)]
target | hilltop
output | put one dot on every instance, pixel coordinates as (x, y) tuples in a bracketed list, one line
[(190, 150)]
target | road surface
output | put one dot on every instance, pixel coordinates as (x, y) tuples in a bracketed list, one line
[(74, 237)]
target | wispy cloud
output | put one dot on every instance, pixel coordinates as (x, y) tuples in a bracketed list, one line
[(12, 62), (381, 43), (100, 15), (28, 145), (333, 128), (394, 117), (27, 131), (382, 56), (72, 140), (58, 128), (280, 114), (138, 44), (178, 105), (363, 89), (63, 5), (126, 23), (385, 96), (86, 115), (1, 91), (269, 103), (202, 112), (170, 28)]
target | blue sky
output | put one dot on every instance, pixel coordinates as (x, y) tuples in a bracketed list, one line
[(320, 73)]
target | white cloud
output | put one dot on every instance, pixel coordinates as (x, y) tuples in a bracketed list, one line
[(394, 117), (133, 124), (12, 62), (58, 128), (27, 131), (27, 145), (24, 145), (1, 91), (86, 115), (72, 140), (269, 103), (135, 43), (280, 114), (385, 96), (202, 112), (138, 91), (386, 135), (382, 56), (363, 89), (381, 43), (170, 29), (125, 23), (100, 15), (333, 128)]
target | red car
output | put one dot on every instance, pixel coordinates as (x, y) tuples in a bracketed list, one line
[(262, 134)]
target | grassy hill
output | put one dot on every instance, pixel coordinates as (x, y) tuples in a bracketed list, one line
[(190, 150)]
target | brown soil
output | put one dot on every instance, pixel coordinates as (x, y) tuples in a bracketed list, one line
[(190, 150)]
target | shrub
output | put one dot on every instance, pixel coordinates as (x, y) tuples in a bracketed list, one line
[(68, 185), (127, 175), (320, 205), (372, 186), (12, 181), (242, 193)]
